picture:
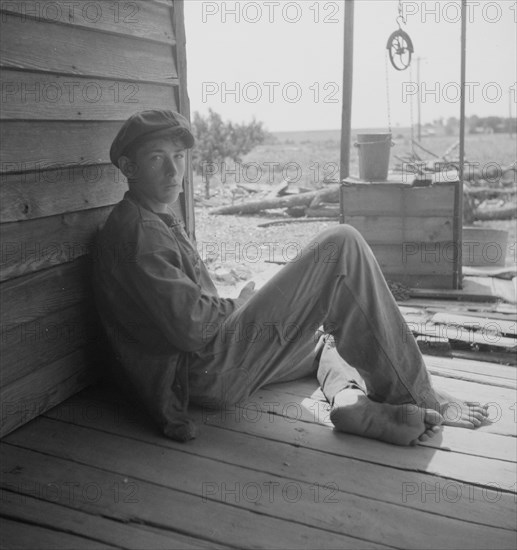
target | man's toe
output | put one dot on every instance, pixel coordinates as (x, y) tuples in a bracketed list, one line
[(476, 421), (469, 424), (433, 417)]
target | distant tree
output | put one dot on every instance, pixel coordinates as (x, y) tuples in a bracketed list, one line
[(451, 126), (473, 123), (217, 141), (493, 123)]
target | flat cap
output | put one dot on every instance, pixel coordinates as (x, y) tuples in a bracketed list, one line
[(149, 124)]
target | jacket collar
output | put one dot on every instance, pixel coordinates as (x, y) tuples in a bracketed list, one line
[(168, 217)]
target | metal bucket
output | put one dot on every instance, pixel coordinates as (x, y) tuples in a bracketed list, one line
[(374, 156)]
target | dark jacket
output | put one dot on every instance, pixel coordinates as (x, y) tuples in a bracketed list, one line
[(155, 297)]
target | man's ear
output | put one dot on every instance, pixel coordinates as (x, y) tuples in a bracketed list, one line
[(128, 167)]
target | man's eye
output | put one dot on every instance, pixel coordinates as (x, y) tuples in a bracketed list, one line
[(180, 155)]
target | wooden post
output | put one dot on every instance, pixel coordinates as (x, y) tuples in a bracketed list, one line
[(418, 99), (348, 71), (458, 237), (187, 199)]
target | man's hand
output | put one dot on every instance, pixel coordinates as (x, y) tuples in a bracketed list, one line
[(248, 290)]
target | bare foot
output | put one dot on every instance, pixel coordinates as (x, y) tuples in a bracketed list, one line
[(456, 412), (353, 412)]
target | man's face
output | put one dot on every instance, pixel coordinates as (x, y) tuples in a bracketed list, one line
[(160, 166)]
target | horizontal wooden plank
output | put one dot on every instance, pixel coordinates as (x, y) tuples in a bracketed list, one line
[(148, 503), (496, 310), (408, 229), (45, 96), (500, 401), (71, 50), (458, 333), (28, 397), (504, 289), (416, 257), (378, 522), (139, 18), (393, 200), (507, 272), (39, 146), (60, 189), (470, 294), (492, 356), (416, 264), (36, 295), (30, 195), (423, 281), (477, 321), (33, 195), (122, 535), (27, 347), (41, 243), (479, 378), (312, 452), (19, 535), (467, 367)]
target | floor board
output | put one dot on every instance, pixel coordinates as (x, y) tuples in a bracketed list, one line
[(51, 514), (95, 472), (320, 456)]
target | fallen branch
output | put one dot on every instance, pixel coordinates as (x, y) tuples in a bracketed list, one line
[(327, 210), (451, 149), (296, 220), (252, 207), (484, 192), (424, 149), (329, 194), (491, 172), (278, 190), (506, 212)]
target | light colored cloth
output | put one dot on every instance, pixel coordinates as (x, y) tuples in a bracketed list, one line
[(336, 282)]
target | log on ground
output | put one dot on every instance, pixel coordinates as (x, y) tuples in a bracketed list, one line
[(253, 207)]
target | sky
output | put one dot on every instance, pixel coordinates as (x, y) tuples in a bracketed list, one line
[(281, 61)]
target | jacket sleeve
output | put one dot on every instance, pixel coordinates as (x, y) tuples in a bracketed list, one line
[(185, 312)]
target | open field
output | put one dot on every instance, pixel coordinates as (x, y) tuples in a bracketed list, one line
[(308, 158)]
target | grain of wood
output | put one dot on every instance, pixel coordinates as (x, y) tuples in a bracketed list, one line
[(152, 504), (61, 518), (30, 396), (49, 96), (138, 19), (302, 451), (70, 50), (144, 462)]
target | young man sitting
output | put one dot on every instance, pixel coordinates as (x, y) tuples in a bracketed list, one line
[(177, 340)]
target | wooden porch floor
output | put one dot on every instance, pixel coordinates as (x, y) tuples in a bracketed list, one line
[(94, 473)]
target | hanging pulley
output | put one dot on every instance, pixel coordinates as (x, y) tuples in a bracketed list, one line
[(400, 48)]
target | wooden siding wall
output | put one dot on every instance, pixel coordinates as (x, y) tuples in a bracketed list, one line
[(71, 73)]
